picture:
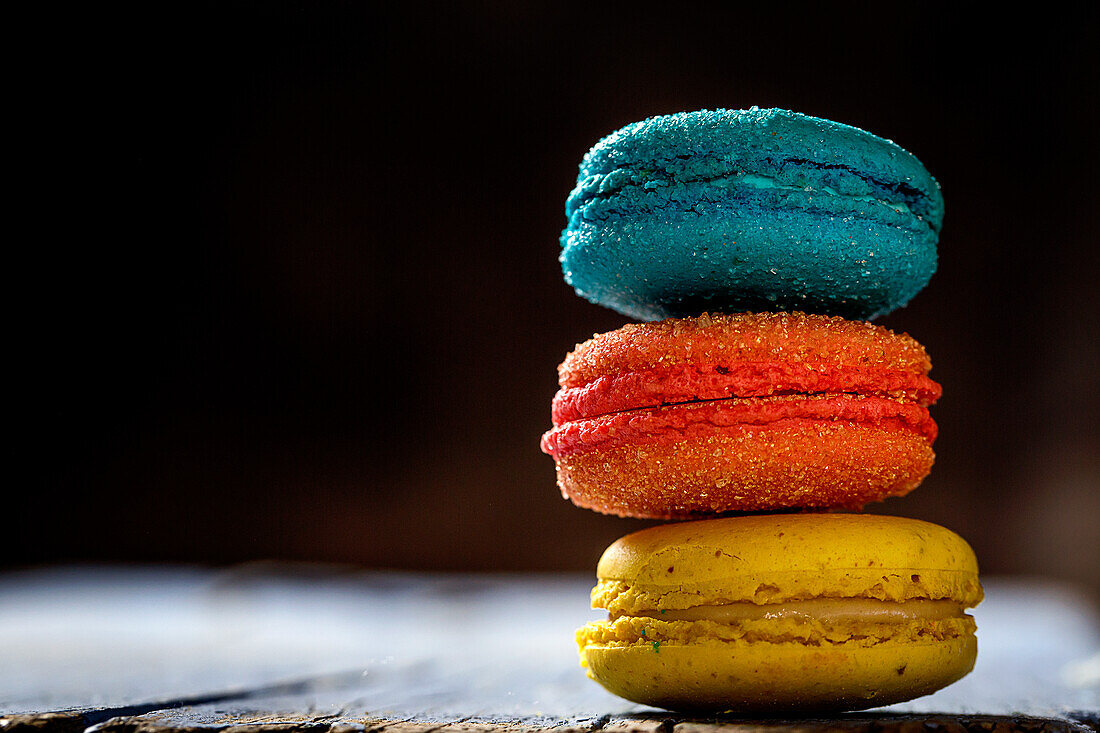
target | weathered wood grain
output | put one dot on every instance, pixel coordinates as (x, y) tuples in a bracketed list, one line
[(884, 723), (252, 650)]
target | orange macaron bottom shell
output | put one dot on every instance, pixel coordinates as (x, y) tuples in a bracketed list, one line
[(790, 463)]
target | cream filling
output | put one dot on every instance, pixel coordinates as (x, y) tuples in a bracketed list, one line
[(604, 186), (756, 181), (867, 610)]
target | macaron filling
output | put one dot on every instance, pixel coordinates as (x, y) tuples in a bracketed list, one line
[(817, 621), (819, 609), (633, 194), (680, 384), (673, 423), (861, 629), (798, 176)]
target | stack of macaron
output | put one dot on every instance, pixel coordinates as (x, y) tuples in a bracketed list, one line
[(756, 401)]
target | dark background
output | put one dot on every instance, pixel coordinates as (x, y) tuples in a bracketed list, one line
[(290, 287)]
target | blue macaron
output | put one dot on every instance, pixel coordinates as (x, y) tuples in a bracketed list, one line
[(750, 210)]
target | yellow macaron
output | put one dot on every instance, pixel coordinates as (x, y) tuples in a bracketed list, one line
[(796, 612)]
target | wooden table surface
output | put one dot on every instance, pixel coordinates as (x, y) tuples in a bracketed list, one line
[(264, 647)]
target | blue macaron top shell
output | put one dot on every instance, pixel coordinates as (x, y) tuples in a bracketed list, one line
[(750, 210)]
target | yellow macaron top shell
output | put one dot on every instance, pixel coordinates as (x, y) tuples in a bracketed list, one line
[(768, 559)]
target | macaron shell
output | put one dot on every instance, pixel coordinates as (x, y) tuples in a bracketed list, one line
[(762, 677), (750, 210), (691, 145), (792, 464), (829, 552), (784, 557), (752, 259), (716, 339)]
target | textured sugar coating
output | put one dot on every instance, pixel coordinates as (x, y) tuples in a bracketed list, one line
[(795, 338), (737, 210), (695, 382), (780, 558), (749, 412), (785, 465), (677, 424)]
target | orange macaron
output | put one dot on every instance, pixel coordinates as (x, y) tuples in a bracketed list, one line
[(748, 412)]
